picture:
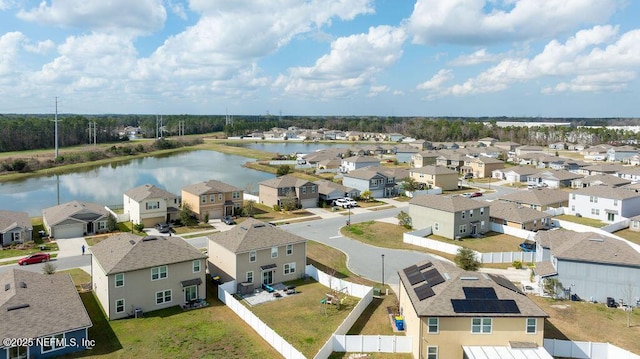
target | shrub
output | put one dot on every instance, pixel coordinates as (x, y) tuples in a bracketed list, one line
[(466, 259), (517, 264)]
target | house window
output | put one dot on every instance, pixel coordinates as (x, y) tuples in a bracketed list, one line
[(481, 211), (52, 343), (463, 213), (481, 325), (636, 224), (290, 268), (119, 280), (313, 189), (532, 325), (102, 225), (470, 213), (432, 352), (593, 199), (433, 326), (573, 196), (252, 256), (196, 266), (482, 225), (235, 195), (152, 205), (16, 236), (163, 296), (463, 228), (304, 190), (120, 306), (250, 276), (220, 196), (573, 208), (274, 252), (289, 249), (159, 273), (203, 199), (436, 226), (597, 211), (615, 202)]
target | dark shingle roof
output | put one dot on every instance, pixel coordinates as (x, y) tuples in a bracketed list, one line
[(537, 196), (54, 305), (253, 235), (10, 220), (366, 173), (127, 252), (59, 213), (286, 181), (514, 213), (447, 203), (148, 191), (210, 186)]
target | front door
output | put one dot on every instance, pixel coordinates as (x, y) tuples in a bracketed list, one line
[(611, 217), (190, 293), (267, 277), (89, 227)]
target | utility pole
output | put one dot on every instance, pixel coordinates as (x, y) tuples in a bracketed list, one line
[(56, 127)]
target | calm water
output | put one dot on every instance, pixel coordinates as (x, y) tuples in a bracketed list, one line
[(106, 184), (287, 148)]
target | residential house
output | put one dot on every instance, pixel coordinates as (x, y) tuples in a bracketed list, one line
[(451, 159), (558, 146), (329, 164), (634, 223), (435, 176), (539, 160), (45, 309), (15, 227), (528, 149), (492, 151), (540, 199), (255, 253), (75, 219), (589, 265), (517, 174), (512, 215), (329, 191), (604, 203), (373, 179), (559, 163), (149, 205), (481, 167), (276, 191), (507, 145), (621, 154), (357, 162), (450, 313), (395, 137), (424, 158), (596, 153), (404, 153), (575, 146), (133, 274), (629, 173), (596, 180), (599, 169), (487, 141), (553, 178), (421, 144), (634, 160), (452, 217), (213, 199), (445, 145)]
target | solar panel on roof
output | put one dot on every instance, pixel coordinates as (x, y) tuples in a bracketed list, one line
[(479, 293), (433, 277), (415, 278), (424, 291), (425, 266), (504, 282), (409, 270), (485, 306)]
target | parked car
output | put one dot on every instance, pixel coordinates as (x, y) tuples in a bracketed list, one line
[(342, 202), (35, 258), (476, 194), (163, 227), (352, 201), (468, 195), (228, 220), (468, 175)]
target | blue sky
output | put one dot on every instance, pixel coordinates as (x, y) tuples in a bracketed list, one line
[(551, 58)]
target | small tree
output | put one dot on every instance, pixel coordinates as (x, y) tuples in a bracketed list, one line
[(553, 287), (283, 170), (409, 184), (139, 227), (404, 219), (289, 202), (187, 216), (366, 195), (206, 217), (48, 268), (112, 223), (249, 208), (466, 259)]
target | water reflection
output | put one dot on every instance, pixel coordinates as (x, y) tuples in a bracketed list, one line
[(105, 184)]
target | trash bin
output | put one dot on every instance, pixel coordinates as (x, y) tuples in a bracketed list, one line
[(399, 322)]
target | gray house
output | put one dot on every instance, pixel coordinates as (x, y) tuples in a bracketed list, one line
[(356, 162), (329, 191), (35, 305), (372, 179), (589, 264), (450, 216), (15, 227), (75, 219)]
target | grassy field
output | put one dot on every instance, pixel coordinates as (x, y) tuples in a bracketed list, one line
[(629, 235), (25, 249), (264, 213), (581, 220), (491, 242)]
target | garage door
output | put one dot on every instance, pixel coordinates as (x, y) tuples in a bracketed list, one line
[(215, 214), (150, 222), (309, 203), (68, 231)]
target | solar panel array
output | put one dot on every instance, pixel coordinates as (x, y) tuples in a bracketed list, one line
[(424, 291), (428, 279), (504, 282), (500, 306), (479, 293), (425, 266), (433, 277)]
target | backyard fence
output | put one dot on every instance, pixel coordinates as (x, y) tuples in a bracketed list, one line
[(614, 227), (586, 350), (372, 344), (516, 232), (507, 257)]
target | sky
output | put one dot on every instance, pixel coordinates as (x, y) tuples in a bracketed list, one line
[(470, 58)]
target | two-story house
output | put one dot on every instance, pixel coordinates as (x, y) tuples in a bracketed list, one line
[(213, 199), (451, 159), (540, 199), (255, 253), (372, 179), (149, 205), (481, 167), (133, 274), (596, 180), (604, 203), (424, 158), (621, 154), (435, 176), (452, 217), (451, 313), (15, 227), (356, 162), (275, 191)]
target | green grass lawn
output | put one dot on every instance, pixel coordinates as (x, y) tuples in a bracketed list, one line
[(491, 242), (581, 220), (26, 249), (629, 235)]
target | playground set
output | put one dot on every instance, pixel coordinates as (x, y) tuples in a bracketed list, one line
[(336, 297)]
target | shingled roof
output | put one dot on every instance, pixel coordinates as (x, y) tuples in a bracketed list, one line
[(605, 191), (253, 235), (10, 220), (449, 285), (74, 209), (513, 213), (433, 170), (447, 203), (285, 181), (148, 191), (127, 252), (36, 305), (537, 196), (210, 186)]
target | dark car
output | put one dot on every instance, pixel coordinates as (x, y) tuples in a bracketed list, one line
[(228, 220), (35, 258), (163, 227), (476, 194), (468, 175)]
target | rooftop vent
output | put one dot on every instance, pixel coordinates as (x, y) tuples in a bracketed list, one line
[(7, 287), (258, 225), (147, 239), (596, 239), (132, 241), (22, 284), (16, 307), (468, 278)]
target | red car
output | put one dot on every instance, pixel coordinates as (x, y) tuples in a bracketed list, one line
[(476, 194), (35, 258)]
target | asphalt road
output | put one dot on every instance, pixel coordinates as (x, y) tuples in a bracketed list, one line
[(61, 264)]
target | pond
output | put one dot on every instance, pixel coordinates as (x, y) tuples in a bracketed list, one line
[(287, 148)]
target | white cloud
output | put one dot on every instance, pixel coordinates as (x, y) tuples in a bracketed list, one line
[(486, 22), (351, 64), (376, 90), (10, 44), (120, 16), (177, 9), (436, 82), (608, 81), (477, 57), (42, 47), (7, 4)]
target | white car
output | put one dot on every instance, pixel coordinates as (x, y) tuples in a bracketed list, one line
[(344, 202)]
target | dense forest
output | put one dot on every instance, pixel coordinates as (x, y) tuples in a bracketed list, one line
[(24, 132)]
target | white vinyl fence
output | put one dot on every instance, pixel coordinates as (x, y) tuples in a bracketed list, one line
[(516, 232), (586, 350), (507, 257), (372, 344), (614, 227)]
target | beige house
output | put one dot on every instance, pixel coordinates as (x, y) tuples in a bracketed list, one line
[(424, 158), (213, 198), (452, 217), (133, 274), (540, 199), (449, 312), (75, 219), (150, 205), (481, 167), (513, 215), (15, 227), (274, 191), (435, 176), (255, 253)]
